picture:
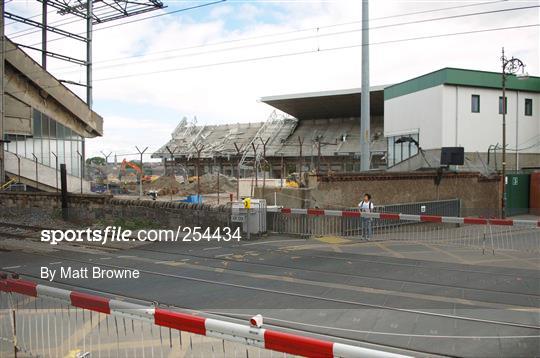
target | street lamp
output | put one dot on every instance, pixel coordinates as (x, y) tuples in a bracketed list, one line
[(510, 66)]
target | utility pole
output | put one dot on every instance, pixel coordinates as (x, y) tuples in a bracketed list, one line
[(255, 164), (106, 156), (199, 148), (89, 95), (284, 171), (142, 172), (36, 163), (171, 152), (218, 182), (89, 29), (81, 158), (282, 168), (55, 169), (300, 144), (319, 144), (264, 143), (44, 35), (365, 112), (510, 66), (239, 154)]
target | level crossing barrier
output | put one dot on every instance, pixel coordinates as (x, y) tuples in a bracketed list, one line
[(488, 234), (42, 321)]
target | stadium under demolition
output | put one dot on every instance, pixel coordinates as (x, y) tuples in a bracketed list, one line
[(366, 222)]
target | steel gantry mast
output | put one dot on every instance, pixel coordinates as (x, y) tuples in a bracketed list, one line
[(93, 12)]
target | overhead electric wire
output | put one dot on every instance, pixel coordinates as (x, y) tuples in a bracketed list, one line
[(289, 40), (57, 23), (274, 35), (327, 26), (307, 52), (295, 31), (128, 22), (316, 51), (376, 18), (30, 17)]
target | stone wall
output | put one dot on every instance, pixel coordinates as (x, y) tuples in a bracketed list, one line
[(90, 208)]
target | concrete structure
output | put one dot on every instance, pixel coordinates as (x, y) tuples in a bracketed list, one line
[(456, 107), (446, 108), (43, 117), (329, 121), (333, 119), (218, 144)]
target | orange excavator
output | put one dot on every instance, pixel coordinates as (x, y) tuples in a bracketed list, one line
[(125, 163)]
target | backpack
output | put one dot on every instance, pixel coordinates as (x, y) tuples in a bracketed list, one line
[(369, 208)]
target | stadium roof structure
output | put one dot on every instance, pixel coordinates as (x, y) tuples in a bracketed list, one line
[(300, 123), (327, 104)]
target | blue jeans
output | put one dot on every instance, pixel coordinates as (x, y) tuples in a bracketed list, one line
[(367, 227)]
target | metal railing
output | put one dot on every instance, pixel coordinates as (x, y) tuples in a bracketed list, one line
[(449, 207), (485, 234)]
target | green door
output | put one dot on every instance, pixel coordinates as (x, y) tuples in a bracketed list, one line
[(517, 194)]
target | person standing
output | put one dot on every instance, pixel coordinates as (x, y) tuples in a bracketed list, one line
[(366, 206)]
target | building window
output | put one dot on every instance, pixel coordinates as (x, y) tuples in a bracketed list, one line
[(48, 137), (528, 106), (405, 148), (501, 105), (475, 103)]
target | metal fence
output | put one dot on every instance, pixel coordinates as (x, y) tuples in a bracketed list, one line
[(449, 207), (485, 234), (44, 321)]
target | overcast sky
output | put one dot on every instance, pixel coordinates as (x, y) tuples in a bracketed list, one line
[(215, 62)]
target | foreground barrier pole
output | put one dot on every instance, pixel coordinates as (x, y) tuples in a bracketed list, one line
[(201, 331), (15, 350)]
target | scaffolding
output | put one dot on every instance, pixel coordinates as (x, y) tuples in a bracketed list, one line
[(267, 136), (222, 140)]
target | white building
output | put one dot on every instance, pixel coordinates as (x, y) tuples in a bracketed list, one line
[(462, 108)]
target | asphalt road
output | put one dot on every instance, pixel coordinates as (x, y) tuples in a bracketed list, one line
[(429, 305)]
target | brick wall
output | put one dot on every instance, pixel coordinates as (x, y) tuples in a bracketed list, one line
[(478, 195)]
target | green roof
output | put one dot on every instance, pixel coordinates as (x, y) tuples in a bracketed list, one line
[(460, 77)]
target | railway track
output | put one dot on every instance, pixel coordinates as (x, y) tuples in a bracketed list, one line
[(187, 278), (25, 231), (229, 258), (351, 303)]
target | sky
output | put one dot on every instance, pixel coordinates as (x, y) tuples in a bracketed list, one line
[(215, 62)]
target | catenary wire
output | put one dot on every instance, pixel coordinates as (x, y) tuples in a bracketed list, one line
[(315, 51), (304, 38), (327, 26), (226, 49), (310, 52)]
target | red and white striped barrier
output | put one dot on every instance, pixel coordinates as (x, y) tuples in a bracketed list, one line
[(248, 335), (406, 217)]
